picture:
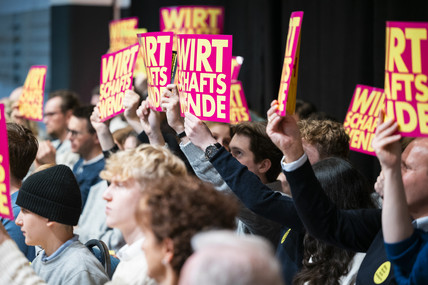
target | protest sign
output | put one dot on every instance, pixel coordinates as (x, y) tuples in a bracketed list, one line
[(30, 103), (129, 37), (191, 20), (203, 70), (115, 78), (361, 119), (288, 85), (5, 201), (236, 66), (238, 104), (156, 50), (115, 29), (406, 71)]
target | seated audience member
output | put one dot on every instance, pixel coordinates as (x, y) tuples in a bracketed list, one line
[(406, 247), (50, 206), (249, 144), (221, 132), (126, 138), (128, 183), (357, 230), (58, 111), (320, 139), (171, 212), (224, 258), (297, 246), (12, 113), (92, 221), (85, 142), (22, 152)]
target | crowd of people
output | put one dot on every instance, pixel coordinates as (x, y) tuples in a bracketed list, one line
[(180, 201)]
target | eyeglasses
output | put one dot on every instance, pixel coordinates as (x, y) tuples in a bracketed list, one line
[(50, 114), (74, 133)]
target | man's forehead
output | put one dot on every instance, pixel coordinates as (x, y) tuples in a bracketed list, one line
[(418, 148), (243, 139), (53, 102)]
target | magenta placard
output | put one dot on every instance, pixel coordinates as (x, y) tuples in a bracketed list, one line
[(191, 20), (156, 50), (288, 84), (406, 73), (30, 102), (361, 119), (236, 66), (115, 29), (116, 76), (238, 104), (5, 202), (204, 75)]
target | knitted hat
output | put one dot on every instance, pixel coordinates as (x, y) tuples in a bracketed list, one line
[(52, 193)]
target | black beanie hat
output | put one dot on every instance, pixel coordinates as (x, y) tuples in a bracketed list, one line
[(52, 193)]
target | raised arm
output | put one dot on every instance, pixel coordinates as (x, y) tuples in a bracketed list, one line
[(103, 132), (151, 123), (255, 195), (396, 221), (349, 229), (131, 102)]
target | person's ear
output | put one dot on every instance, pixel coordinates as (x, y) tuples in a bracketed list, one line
[(168, 246), (68, 115), (264, 165), (50, 223)]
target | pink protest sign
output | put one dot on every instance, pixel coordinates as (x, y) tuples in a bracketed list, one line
[(115, 78), (238, 104), (156, 50), (236, 66), (30, 102), (203, 70), (5, 202), (406, 71), (191, 20), (115, 29), (361, 119), (288, 85), (130, 38)]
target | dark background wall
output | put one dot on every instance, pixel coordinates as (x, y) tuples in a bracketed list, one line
[(342, 44)]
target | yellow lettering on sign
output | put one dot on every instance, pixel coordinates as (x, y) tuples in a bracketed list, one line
[(4, 209)]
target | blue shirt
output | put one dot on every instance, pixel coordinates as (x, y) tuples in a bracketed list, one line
[(88, 174)]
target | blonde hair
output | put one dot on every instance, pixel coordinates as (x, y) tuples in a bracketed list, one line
[(146, 162)]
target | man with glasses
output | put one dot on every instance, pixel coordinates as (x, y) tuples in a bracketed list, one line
[(58, 111), (84, 141)]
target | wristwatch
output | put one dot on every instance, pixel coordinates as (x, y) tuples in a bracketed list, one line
[(211, 150)]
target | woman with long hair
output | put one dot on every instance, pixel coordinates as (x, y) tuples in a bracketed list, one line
[(348, 189)]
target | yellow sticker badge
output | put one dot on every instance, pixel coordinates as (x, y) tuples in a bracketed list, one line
[(382, 273), (285, 236)]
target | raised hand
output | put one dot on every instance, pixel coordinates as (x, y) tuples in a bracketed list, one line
[(102, 128), (170, 103), (131, 101), (198, 132), (284, 133), (151, 123), (46, 153), (386, 143)]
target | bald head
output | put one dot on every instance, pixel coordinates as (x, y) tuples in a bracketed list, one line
[(223, 258)]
